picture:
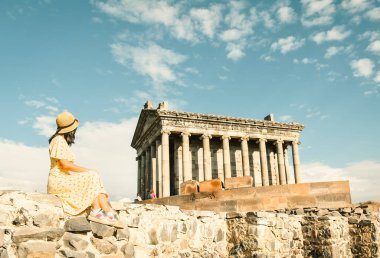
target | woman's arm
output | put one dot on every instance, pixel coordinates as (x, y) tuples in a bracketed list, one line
[(68, 165)]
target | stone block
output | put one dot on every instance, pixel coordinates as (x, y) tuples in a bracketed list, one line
[(189, 187), (74, 241), (104, 246), (46, 219), (128, 250), (44, 199), (238, 182), (101, 230), (73, 254), (122, 234), (3, 253), (77, 224), (1, 237), (210, 185), (36, 249), (25, 234)]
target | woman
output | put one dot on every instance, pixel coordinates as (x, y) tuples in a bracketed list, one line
[(81, 189)]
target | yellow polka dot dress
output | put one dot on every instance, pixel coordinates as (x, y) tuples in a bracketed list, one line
[(77, 190)]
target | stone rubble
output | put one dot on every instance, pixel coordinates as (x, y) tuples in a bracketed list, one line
[(33, 225)]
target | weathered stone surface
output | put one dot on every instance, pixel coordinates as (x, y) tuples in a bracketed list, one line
[(210, 185), (44, 199), (189, 187), (1, 237), (101, 230), (128, 250), (238, 182), (74, 241), (122, 234), (73, 254), (3, 253), (104, 246), (46, 219), (77, 224), (118, 255), (36, 249), (48, 234)]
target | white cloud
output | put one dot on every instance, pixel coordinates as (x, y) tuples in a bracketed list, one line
[(42, 104), (374, 47), (153, 61), (354, 6), (285, 45), (286, 14), (370, 35), (363, 175), (267, 19), (374, 14), (337, 33), (304, 61), (377, 78), (45, 125), (317, 12), (332, 51), (136, 11), (362, 67), (98, 146), (208, 19), (239, 28)]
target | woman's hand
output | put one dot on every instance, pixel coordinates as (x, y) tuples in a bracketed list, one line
[(70, 166)]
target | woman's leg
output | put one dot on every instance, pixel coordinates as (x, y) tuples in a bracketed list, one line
[(104, 203), (96, 205)]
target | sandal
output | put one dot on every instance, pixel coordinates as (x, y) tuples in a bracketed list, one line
[(99, 217)]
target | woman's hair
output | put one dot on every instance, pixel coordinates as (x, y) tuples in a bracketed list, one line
[(69, 137)]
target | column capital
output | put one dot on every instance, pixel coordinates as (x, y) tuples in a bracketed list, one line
[(226, 137), (205, 135), (261, 140), (165, 131), (185, 133), (244, 138), (280, 141), (296, 142)]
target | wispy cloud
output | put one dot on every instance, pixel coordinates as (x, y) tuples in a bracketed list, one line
[(333, 50), (374, 47), (374, 14), (337, 33), (285, 45), (355, 6), (317, 12), (153, 61)]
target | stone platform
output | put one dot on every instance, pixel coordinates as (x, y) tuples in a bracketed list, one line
[(333, 194)]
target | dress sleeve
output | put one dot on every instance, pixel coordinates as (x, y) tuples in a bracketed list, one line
[(59, 148)]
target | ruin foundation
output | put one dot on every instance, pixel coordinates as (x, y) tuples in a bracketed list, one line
[(33, 225)]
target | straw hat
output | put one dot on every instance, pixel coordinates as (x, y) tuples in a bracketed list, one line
[(66, 122)]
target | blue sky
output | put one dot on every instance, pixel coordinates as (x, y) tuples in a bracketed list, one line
[(312, 62)]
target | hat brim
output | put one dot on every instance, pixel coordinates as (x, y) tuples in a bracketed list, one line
[(70, 128)]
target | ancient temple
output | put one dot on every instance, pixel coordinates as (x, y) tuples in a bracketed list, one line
[(174, 147)]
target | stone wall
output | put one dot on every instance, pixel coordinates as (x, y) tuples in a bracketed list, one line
[(33, 225)]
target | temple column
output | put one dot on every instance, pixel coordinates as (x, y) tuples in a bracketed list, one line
[(142, 182), (153, 167), (138, 175), (206, 156), (296, 162), (264, 162), (245, 155), (147, 171), (165, 163), (281, 163), (286, 158), (226, 156), (159, 167), (187, 175)]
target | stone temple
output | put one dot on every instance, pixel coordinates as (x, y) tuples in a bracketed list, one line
[(174, 147), (219, 163)]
